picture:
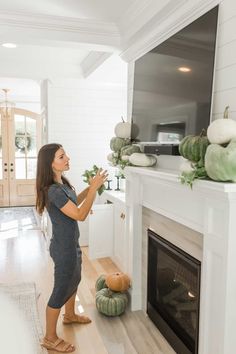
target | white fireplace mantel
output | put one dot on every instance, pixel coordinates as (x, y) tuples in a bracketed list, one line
[(209, 208)]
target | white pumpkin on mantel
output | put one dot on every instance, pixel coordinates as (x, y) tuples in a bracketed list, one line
[(186, 166), (123, 129), (222, 130), (142, 160)]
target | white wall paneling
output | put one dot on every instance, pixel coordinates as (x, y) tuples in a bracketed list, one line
[(82, 115)]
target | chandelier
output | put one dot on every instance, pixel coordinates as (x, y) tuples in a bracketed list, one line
[(6, 105)]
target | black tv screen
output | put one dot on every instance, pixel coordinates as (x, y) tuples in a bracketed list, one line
[(173, 84)]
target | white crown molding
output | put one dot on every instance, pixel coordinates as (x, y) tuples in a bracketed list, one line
[(138, 14), (133, 12), (86, 28), (92, 61), (169, 20)]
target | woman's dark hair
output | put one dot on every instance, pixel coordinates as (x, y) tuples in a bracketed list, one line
[(45, 175)]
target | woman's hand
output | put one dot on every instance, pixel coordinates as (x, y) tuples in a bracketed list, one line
[(87, 196), (100, 178)]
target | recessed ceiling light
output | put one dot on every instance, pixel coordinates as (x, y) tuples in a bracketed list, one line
[(184, 69), (9, 45)]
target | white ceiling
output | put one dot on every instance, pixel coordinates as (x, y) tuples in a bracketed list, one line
[(40, 62), (55, 46), (54, 37), (105, 10), (19, 87)]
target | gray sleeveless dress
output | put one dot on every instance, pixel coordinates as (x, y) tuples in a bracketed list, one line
[(64, 247)]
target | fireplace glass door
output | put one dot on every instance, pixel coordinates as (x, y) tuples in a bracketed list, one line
[(173, 293)]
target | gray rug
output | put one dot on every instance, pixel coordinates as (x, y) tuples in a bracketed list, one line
[(21, 298), (17, 217)]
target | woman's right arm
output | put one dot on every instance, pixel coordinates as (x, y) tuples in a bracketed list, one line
[(80, 214)]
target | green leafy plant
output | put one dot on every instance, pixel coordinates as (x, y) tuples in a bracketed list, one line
[(115, 159), (198, 172), (88, 174)]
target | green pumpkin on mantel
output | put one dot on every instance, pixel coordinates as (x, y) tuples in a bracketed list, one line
[(117, 143), (111, 303), (220, 162), (193, 147)]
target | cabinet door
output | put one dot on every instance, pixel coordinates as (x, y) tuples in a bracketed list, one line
[(119, 237), (101, 231)]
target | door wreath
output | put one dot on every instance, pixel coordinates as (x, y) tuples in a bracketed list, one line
[(23, 142)]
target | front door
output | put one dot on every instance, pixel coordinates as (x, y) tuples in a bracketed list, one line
[(20, 138)]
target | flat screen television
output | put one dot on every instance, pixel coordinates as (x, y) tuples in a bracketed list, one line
[(173, 85)]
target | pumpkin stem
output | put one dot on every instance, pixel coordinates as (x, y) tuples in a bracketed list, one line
[(226, 112), (122, 119), (203, 132)]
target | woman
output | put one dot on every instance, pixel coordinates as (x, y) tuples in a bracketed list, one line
[(55, 193)]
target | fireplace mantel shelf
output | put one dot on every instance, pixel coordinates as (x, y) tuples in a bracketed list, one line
[(174, 176), (208, 208)]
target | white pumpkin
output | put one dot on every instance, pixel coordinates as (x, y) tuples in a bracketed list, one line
[(186, 166), (123, 129), (125, 157), (222, 130), (144, 160)]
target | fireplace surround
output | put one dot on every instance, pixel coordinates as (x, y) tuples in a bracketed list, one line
[(208, 209)]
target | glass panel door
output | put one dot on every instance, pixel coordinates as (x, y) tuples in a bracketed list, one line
[(21, 138), (25, 147), (4, 181)]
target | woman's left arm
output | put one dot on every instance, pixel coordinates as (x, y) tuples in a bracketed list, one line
[(81, 196)]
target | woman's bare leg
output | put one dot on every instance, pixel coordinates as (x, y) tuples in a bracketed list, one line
[(70, 314), (51, 323), (51, 332), (70, 306)]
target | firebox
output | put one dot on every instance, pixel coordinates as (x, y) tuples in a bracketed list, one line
[(173, 293)]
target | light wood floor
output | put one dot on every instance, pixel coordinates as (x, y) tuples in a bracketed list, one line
[(25, 258)]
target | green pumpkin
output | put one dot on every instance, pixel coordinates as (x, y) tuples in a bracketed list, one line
[(220, 162), (129, 150), (194, 147), (117, 143), (111, 303), (100, 282)]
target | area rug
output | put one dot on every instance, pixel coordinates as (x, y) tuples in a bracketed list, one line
[(20, 217), (24, 297)]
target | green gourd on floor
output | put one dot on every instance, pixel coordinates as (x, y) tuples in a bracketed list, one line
[(111, 303), (100, 283)]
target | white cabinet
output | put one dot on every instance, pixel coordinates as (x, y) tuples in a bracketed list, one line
[(119, 236), (101, 231), (107, 229)]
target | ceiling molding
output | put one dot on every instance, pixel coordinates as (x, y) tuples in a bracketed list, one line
[(136, 9), (137, 15), (92, 61), (170, 19), (86, 28)]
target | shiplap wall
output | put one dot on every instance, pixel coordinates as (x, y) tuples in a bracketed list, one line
[(224, 92), (82, 116)]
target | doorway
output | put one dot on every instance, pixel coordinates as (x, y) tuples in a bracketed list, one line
[(20, 138)]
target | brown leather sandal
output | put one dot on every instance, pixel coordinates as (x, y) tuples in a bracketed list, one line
[(77, 319), (59, 345)]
